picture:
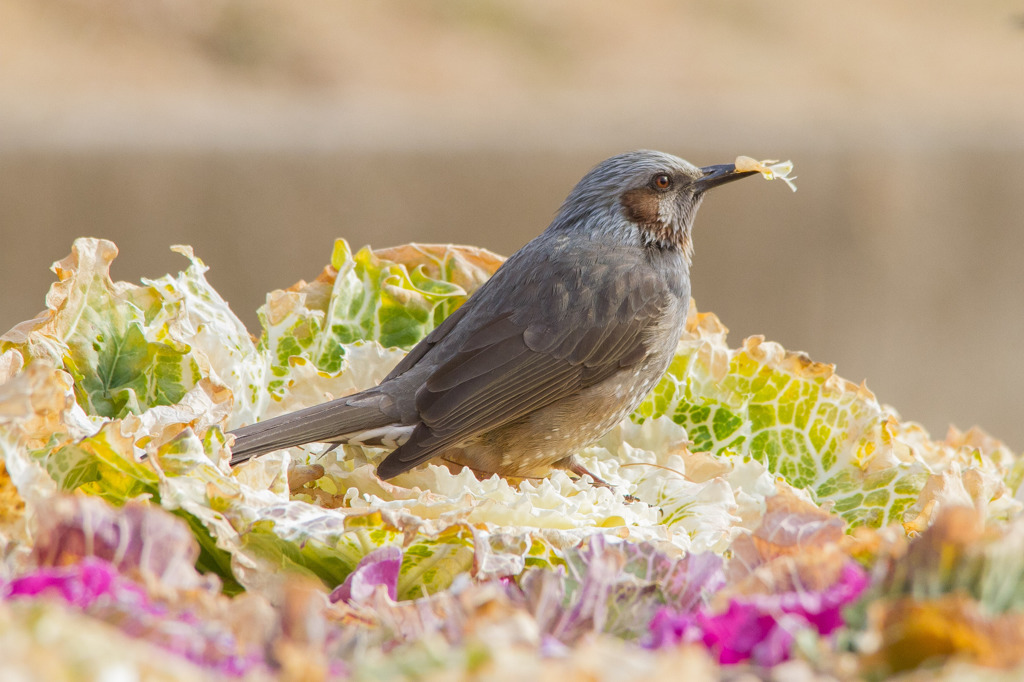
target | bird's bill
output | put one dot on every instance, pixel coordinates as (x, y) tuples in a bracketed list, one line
[(719, 175)]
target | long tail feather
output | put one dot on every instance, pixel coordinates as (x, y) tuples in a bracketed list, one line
[(321, 423)]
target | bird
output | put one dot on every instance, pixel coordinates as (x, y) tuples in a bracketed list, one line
[(556, 348)]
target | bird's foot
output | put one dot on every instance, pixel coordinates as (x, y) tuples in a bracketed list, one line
[(573, 465)]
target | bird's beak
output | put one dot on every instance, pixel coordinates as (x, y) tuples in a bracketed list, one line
[(719, 175)]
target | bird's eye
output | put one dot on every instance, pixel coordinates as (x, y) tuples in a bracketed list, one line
[(662, 181)]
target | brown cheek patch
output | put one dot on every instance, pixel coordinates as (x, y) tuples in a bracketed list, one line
[(641, 207)]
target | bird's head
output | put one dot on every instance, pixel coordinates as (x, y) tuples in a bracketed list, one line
[(644, 197)]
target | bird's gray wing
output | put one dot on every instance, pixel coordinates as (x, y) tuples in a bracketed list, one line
[(570, 336)]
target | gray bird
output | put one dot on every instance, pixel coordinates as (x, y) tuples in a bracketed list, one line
[(565, 340)]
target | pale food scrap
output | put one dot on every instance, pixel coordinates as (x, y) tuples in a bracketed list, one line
[(769, 168)]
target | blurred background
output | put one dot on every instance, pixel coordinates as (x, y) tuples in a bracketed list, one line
[(258, 131)]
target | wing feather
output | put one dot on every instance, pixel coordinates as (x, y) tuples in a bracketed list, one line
[(527, 357), (476, 365)]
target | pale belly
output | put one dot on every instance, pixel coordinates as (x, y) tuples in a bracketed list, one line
[(529, 446)]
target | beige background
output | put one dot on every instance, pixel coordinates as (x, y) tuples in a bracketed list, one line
[(259, 131)]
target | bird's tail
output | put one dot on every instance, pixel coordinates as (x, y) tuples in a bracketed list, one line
[(328, 422)]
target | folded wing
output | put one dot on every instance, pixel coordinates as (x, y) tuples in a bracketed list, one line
[(525, 358)]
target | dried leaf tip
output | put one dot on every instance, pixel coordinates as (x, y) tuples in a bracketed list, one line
[(769, 168)]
